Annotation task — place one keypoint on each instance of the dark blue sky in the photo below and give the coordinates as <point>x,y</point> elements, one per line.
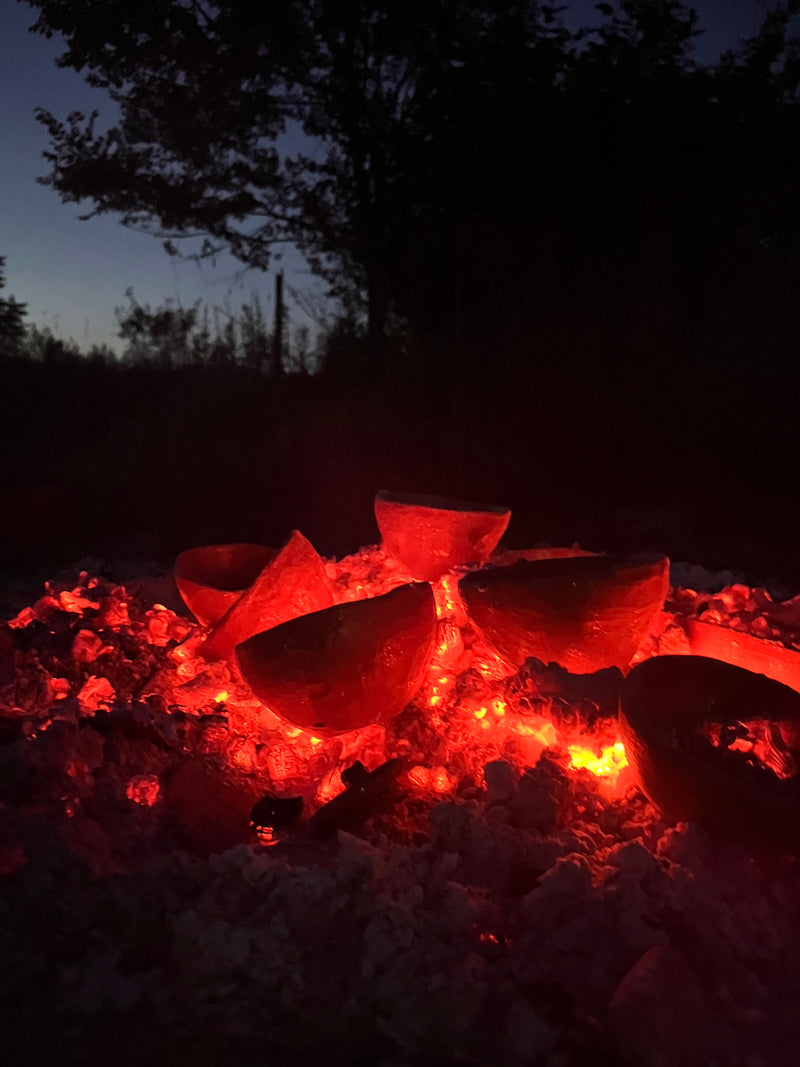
<point>73,274</point>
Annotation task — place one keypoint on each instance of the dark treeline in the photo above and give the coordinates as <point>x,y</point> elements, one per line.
<point>567,263</point>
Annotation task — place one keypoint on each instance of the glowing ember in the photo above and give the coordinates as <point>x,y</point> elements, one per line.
<point>472,706</point>
<point>59,688</point>
<point>488,819</point>
<point>544,732</point>
<point>143,789</point>
<point>758,743</point>
<point>329,787</point>
<point>610,761</point>
<point>431,779</point>
<point>96,693</point>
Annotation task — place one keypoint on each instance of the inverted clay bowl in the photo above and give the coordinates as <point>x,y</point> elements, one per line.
<point>211,579</point>
<point>583,612</point>
<point>347,666</point>
<point>432,534</point>
<point>663,703</point>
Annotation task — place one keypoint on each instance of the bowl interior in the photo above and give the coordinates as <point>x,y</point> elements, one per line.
<point>666,692</point>
<point>229,568</point>
<point>692,728</point>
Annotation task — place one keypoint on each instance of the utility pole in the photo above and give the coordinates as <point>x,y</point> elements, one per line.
<point>277,339</point>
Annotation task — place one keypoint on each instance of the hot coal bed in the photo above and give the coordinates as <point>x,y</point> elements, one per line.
<point>393,809</point>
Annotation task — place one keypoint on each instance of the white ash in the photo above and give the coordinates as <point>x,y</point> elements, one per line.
<point>525,919</point>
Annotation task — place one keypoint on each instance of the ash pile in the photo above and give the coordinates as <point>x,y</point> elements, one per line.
<point>186,876</point>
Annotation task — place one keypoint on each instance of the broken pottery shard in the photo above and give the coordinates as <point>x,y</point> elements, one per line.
<point>293,584</point>
<point>345,667</point>
<point>431,534</point>
<point>745,650</point>
<point>584,613</point>
<point>212,578</point>
<point>665,703</point>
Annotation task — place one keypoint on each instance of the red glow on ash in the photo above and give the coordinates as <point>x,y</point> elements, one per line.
<point>143,789</point>
<point>472,707</point>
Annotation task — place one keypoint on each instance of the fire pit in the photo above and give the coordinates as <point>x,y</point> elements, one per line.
<point>337,823</point>
<point>716,744</point>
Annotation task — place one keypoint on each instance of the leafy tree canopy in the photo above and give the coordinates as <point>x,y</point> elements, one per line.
<point>436,136</point>
<point>207,93</point>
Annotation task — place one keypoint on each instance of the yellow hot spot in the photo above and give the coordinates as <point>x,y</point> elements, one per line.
<point>293,731</point>
<point>545,732</point>
<point>446,596</point>
<point>433,699</point>
<point>449,586</point>
<point>221,695</point>
<point>440,780</point>
<point>316,740</point>
<point>611,760</point>
<point>480,712</point>
<point>499,708</point>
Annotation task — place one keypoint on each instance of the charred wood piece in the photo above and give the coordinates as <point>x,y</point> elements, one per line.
<point>366,794</point>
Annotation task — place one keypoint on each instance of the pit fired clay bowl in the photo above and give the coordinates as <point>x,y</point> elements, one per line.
<point>663,702</point>
<point>745,650</point>
<point>211,579</point>
<point>585,613</point>
<point>431,534</point>
<point>347,666</point>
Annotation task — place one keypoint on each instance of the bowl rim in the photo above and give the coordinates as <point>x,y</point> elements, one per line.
<point>188,563</point>
<point>434,502</point>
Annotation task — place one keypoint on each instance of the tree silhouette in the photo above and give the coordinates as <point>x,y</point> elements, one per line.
<point>205,91</point>
<point>444,164</point>
<point>12,314</point>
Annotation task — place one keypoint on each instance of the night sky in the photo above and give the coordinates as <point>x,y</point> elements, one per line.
<point>72,274</point>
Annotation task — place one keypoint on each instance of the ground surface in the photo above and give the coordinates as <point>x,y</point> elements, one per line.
<point>519,917</point>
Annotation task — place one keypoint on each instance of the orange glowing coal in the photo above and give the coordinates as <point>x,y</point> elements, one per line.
<point>606,764</point>
<point>312,659</point>
<point>420,671</point>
